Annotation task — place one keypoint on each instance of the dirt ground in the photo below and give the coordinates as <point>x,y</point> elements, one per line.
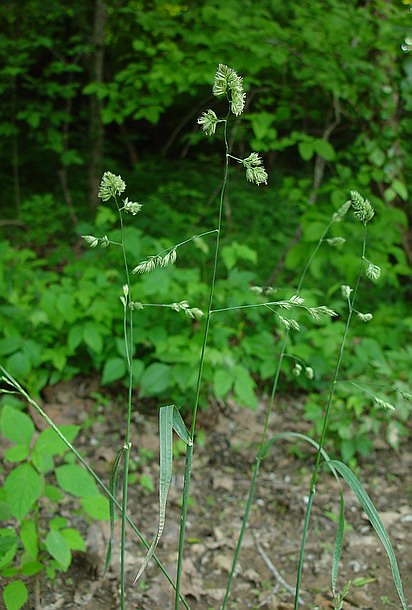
<point>220,482</point>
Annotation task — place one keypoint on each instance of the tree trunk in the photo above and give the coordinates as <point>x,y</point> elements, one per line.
<point>96,127</point>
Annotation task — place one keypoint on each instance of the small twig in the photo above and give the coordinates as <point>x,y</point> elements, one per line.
<point>273,569</point>
<point>37,601</point>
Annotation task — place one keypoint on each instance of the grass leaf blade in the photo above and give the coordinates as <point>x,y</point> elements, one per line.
<point>180,428</point>
<point>375,521</point>
<point>113,487</point>
<point>337,551</point>
<point>166,456</point>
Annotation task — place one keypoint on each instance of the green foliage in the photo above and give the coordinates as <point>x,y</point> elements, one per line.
<point>34,541</point>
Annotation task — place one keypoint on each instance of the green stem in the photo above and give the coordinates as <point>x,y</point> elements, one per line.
<point>9,379</point>
<point>128,341</point>
<point>189,450</point>
<point>325,427</point>
<point>265,428</point>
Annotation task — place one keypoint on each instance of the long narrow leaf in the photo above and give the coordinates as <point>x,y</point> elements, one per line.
<point>113,487</point>
<point>337,551</point>
<point>374,519</point>
<point>166,456</point>
<point>180,428</point>
<point>263,452</point>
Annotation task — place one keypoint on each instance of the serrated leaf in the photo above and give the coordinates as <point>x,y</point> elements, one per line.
<point>305,150</point>
<point>16,426</point>
<point>8,546</point>
<point>28,534</point>
<point>114,369</point>
<point>74,539</point>
<point>155,379</point>
<point>53,493</point>
<point>222,382</point>
<point>19,365</point>
<point>92,337</point>
<point>76,481</point>
<point>15,595</point>
<point>166,457</point>
<point>97,507</point>
<point>48,443</point>
<point>376,522</point>
<point>23,487</point>
<point>58,548</point>
<point>16,454</point>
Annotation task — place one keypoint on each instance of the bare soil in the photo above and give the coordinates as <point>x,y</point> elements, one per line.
<point>220,483</point>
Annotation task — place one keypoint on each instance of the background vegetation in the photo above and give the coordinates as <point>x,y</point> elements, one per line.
<point>91,86</point>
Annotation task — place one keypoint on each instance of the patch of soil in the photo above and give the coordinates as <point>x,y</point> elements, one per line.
<point>221,477</point>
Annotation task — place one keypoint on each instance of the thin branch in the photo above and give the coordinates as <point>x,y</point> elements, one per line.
<point>274,571</point>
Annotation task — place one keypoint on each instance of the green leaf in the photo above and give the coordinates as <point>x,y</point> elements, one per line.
<point>324,149</point>
<point>76,481</point>
<point>75,337</point>
<point>92,337</point>
<point>400,189</point>
<point>373,516</point>
<point>306,150</point>
<point>19,365</point>
<point>23,487</point>
<point>18,453</point>
<point>16,426</point>
<point>8,546</point>
<point>97,507</point>
<point>245,387</point>
<point>155,379</point>
<point>15,595</point>
<point>53,493</point>
<point>28,534</point>
<point>222,382</point>
<point>58,548</point>
<point>114,369</point>
<point>166,457</point>
<point>74,539</point>
<point>49,443</point>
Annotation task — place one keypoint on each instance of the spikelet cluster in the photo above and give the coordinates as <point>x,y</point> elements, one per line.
<point>363,209</point>
<point>153,262</point>
<point>110,186</point>
<point>339,214</point>
<point>228,82</point>
<point>255,172</point>
<point>131,207</point>
<point>191,312</point>
<point>208,121</point>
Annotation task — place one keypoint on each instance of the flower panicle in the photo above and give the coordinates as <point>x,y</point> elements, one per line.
<point>228,82</point>
<point>208,122</point>
<point>110,186</point>
<point>383,404</point>
<point>365,317</point>
<point>93,241</point>
<point>363,209</point>
<point>131,207</point>
<point>255,172</point>
<point>317,313</point>
<point>155,261</point>
<point>341,212</point>
<point>335,241</point>
<point>373,272</point>
<point>191,312</point>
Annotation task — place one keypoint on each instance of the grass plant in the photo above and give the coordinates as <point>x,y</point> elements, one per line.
<point>286,313</point>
